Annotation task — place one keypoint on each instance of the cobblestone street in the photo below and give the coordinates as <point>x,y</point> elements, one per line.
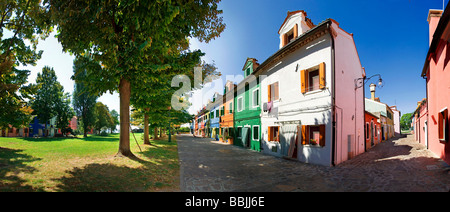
<point>395,165</point>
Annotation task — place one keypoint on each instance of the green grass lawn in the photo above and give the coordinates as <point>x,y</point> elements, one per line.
<point>86,164</point>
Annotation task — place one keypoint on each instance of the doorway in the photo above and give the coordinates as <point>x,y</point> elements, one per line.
<point>372,130</point>
<point>426,133</point>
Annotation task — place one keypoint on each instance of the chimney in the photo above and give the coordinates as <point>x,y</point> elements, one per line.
<point>372,91</point>
<point>433,20</point>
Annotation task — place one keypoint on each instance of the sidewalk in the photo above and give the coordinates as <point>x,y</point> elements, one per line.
<point>396,165</point>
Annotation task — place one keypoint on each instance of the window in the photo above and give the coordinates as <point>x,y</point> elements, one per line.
<point>367,131</point>
<point>217,112</point>
<point>443,125</point>
<point>255,99</point>
<point>273,92</point>
<point>313,135</point>
<point>240,104</point>
<point>313,78</point>
<point>255,133</point>
<point>231,108</point>
<point>274,134</point>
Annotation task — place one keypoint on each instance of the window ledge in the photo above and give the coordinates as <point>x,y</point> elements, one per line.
<point>313,92</point>
<point>313,146</point>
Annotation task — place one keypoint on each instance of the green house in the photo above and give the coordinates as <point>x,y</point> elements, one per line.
<point>247,109</point>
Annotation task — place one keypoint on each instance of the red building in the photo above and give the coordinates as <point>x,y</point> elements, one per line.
<point>372,126</point>
<point>436,71</point>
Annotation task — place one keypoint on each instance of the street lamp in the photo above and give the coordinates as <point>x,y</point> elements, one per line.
<point>360,82</point>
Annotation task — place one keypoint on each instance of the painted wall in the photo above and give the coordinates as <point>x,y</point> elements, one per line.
<point>372,125</point>
<point>421,125</point>
<point>311,108</point>
<point>438,83</point>
<point>249,115</point>
<point>349,101</point>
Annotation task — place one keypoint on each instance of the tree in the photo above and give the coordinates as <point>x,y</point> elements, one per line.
<point>83,100</point>
<point>405,121</point>
<point>102,117</point>
<point>115,119</point>
<point>122,35</point>
<point>64,113</point>
<point>24,20</point>
<point>49,95</point>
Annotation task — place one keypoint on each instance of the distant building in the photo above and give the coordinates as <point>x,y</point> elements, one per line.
<point>374,106</point>
<point>396,119</point>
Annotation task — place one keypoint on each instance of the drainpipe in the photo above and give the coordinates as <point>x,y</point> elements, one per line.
<point>333,97</point>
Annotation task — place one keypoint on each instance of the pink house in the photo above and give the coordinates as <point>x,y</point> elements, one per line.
<point>420,122</point>
<point>436,71</point>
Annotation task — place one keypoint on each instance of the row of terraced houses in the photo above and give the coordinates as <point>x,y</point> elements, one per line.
<point>306,101</point>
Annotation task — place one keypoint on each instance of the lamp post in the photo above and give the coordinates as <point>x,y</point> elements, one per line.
<point>360,82</point>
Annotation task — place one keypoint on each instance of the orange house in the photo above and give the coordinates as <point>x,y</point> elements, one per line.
<point>226,113</point>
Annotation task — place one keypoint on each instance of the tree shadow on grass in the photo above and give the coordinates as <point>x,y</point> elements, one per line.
<point>12,163</point>
<point>91,138</point>
<point>158,170</point>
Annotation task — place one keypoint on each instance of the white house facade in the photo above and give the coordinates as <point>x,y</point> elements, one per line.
<point>311,109</point>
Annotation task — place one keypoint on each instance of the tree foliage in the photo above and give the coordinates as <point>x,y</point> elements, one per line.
<point>405,121</point>
<point>49,98</point>
<point>102,117</point>
<point>83,100</point>
<point>20,21</point>
<point>132,42</point>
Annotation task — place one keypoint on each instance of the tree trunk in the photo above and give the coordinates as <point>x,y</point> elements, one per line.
<point>146,130</point>
<point>124,143</point>
<point>155,133</point>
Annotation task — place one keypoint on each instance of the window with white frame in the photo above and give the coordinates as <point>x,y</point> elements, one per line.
<point>255,132</point>
<point>255,98</point>
<point>240,104</point>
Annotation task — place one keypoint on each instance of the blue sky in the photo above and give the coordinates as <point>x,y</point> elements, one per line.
<point>391,37</point>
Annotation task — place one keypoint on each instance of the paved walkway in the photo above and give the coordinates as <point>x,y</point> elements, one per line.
<point>398,165</point>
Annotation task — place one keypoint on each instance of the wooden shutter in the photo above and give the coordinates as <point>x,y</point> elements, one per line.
<point>322,82</point>
<point>305,135</point>
<point>269,132</point>
<point>295,31</point>
<point>303,80</point>
<point>278,134</point>
<point>269,95</point>
<point>284,39</point>
<point>322,135</point>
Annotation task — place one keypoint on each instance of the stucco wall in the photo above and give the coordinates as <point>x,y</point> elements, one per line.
<point>312,108</point>
<point>349,101</point>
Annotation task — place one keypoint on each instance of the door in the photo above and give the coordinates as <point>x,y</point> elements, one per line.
<point>245,137</point>
<point>372,131</point>
<point>426,133</point>
<point>288,140</point>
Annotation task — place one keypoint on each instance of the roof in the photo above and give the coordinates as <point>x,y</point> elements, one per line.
<point>289,14</point>
<point>442,25</point>
<point>321,26</point>
<point>254,61</point>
